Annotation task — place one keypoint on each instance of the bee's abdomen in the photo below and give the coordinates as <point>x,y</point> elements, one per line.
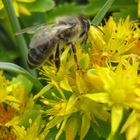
<point>37,55</point>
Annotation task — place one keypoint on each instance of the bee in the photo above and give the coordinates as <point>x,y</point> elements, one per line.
<point>49,40</point>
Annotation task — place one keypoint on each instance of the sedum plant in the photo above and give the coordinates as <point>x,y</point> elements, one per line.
<point>104,87</point>
<point>96,98</point>
<point>99,99</point>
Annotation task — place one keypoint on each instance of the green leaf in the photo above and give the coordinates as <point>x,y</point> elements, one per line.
<point>116,137</point>
<point>21,44</point>
<point>37,18</point>
<point>26,82</point>
<point>92,134</point>
<point>19,70</point>
<point>122,8</point>
<point>123,13</point>
<point>123,4</point>
<point>52,133</point>
<point>100,15</point>
<point>63,10</point>
<point>102,128</point>
<point>40,6</point>
<point>84,61</point>
<point>89,9</point>
<point>29,118</point>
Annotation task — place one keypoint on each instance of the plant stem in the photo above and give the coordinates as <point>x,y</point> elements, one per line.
<point>21,44</point>
<point>100,15</point>
<point>138,8</point>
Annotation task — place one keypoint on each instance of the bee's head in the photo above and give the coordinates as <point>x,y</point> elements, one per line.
<point>85,25</point>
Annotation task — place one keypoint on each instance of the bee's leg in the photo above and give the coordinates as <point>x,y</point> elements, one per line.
<point>74,52</point>
<point>51,58</point>
<point>84,41</point>
<point>57,59</point>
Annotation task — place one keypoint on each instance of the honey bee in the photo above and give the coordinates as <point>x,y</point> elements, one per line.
<point>50,39</point>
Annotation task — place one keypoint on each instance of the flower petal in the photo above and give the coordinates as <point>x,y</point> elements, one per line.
<point>116,117</point>
<point>132,117</point>
<point>84,127</point>
<point>101,97</point>
<point>72,127</point>
<point>65,85</point>
<point>1,5</point>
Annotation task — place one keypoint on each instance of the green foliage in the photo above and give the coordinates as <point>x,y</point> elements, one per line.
<point>29,118</point>
<point>45,11</point>
<point>102,128</point>
<point>102,12</point>
<point>40,6</point>
<point>71,103</point>
<point>19,70</point>
<point>25,81</point>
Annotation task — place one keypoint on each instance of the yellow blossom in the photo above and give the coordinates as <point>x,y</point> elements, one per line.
<point>103,83</point>
<point>64,109</point>
<point>14,104</point>
<point>116,40</point>
<point>132,125</point>
<point>1,5</point>
<point>19,6</point>
<point>119,90</point>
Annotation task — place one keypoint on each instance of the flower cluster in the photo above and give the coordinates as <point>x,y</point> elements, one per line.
<point>106,84</point>
<point>19,119</point>
<point>99,94</point>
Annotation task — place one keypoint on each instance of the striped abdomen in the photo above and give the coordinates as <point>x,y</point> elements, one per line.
<point>37,55</point>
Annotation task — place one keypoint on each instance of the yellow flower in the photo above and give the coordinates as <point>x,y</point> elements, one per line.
<point>19,6</point>
<point>1,5</point>
<point>5,90</point>
<point>67,87</point>
<point>120,90</point>
<point>132,125</point>
<point>103,84</point>
<point>116,40</point>
<point>14,104</point>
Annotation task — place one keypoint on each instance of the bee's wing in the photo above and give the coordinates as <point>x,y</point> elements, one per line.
<point>62,27</point>
<point>47,34</point>
<point>32,29</point>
